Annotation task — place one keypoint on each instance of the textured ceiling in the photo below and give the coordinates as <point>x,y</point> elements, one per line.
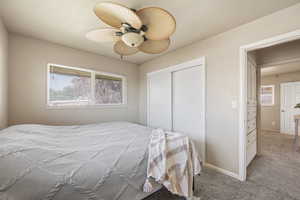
<point>67,21</point>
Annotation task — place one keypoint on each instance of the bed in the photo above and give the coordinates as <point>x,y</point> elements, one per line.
<point>104,161</point>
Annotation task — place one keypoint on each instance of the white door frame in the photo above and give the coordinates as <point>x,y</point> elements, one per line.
<point>243,91</point>
<point>193,63</point>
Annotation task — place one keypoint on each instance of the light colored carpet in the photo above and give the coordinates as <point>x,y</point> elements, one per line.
<point>275,175</point>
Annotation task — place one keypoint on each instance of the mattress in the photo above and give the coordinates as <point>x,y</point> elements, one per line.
<point>91,162</point>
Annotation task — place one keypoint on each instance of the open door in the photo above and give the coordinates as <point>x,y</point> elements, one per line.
<point>251,147</point>
<point>290,96</point>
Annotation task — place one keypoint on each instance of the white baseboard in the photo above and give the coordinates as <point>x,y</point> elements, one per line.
<point>223,171</point>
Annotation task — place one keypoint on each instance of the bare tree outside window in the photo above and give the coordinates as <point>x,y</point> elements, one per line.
<point>72,86</point>
<point>108,90</point>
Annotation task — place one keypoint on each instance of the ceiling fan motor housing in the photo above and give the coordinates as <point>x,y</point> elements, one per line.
<point>132,39</point>
<point>131,36</point>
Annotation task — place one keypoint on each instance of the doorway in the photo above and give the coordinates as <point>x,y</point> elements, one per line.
<point>245,136</point>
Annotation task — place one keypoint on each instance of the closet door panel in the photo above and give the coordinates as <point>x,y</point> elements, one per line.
<point>160,100</point>
<point>188,97</point>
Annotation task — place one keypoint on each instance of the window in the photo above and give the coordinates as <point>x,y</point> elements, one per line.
<point>267,95</point>
<point>108,89</point>
<point>70,86</point>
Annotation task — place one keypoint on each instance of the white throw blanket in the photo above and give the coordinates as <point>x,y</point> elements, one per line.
<point>173,162</point>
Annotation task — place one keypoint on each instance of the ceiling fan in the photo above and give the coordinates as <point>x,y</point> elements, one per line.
<point>146,30</point>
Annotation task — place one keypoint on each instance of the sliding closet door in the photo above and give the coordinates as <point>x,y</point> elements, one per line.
<point>159,100</point>
<point>188,104</point>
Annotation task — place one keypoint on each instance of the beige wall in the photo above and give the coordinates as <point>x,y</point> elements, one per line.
<point>279,53</point>
<point>3,75</point>
<point>222,56</point>
<point>271,114</point>
<point>28,59</point>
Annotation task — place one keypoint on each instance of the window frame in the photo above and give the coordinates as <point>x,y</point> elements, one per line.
<point>273,95</point>
<point>91,101</point>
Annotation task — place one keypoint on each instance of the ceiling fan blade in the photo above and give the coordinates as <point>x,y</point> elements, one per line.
<point>154,46</point>
<point>103,35</point>
<point>115,14</point>
<point>122,49</point>
<point>161,24</point>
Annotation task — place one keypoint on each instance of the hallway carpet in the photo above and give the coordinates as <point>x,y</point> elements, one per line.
<point>275,175</point>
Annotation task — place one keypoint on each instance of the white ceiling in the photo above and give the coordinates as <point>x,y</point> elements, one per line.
<point>67,21</point>
<point>281,69</point>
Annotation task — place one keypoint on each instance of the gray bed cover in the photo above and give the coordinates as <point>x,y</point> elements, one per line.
<point>90,162</point>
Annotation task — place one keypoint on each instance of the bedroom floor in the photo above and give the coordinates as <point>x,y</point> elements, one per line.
<point>275,175</point>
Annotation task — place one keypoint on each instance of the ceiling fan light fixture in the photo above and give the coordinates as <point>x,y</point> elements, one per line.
<point>132,39</point>
<point>147,30</point>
